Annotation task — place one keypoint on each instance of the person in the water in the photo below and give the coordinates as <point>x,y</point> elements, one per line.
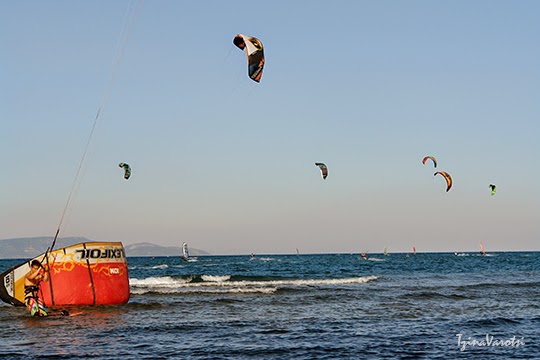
<point>33,278</point>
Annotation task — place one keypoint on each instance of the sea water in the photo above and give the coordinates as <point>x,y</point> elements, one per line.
<point>334,306</point>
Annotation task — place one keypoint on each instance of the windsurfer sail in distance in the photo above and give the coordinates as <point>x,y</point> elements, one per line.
<point>33,278</point>
<point>482,250</point>
<point>185,252</point>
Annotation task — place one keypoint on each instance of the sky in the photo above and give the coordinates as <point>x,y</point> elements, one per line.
<point>227,165</point>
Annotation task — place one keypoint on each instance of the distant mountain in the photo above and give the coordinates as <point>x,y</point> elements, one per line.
<point>148,249</point>
<point>26,248</point>
<point>23,248</point>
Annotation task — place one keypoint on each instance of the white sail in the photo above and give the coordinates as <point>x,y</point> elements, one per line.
<point>185,252</point>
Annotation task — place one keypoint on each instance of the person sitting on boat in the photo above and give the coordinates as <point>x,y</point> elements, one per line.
<point>33,278</point>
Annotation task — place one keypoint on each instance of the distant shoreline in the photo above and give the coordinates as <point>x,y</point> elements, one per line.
<point>30,247</point>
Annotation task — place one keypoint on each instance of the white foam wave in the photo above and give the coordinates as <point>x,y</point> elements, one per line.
<point>161,281</point>
<point>215,278</point>
<point>218,284</point>
<point>186,290</point>
<point>162,266</point>
<point>313,282</point>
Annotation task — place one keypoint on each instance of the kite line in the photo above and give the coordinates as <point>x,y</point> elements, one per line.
<point>126,29</point>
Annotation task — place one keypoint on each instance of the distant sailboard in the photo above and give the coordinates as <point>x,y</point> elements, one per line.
<point>185,252</point>
<point>90,273</point>
<point>482,250</point>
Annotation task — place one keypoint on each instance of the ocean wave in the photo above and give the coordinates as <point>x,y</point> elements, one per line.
<point>266,259</point>
<point>213,283</point>
<point>431,295</point>
<point>191,290</point>
<point>162,266</point>
<point>496,321</point>
<point>215,278</point>
<point>159,281</point>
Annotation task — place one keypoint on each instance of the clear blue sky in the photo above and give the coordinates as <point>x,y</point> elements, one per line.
<point>227,165</point>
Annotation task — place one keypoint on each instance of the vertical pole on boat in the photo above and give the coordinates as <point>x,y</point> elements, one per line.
<point>49,249</point>
<point>46,259</point>
<point>54,241</point>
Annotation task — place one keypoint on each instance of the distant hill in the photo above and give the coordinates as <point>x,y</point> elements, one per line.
<point>149,249</point>
<point>25,248</point>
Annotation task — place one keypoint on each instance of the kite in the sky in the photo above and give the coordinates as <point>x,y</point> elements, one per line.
<point>493,189</point>
<point>447,178</point>
<point>324,169</point>
<point>254,52</point>
<point>432,159</point>
<point>127,170</point>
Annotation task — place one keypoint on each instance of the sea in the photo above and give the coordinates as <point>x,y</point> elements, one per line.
<point>322,306</point>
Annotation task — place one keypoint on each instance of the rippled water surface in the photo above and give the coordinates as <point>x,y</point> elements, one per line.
<point>436,306</point>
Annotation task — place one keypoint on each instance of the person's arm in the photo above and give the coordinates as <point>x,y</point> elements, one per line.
<point>32,275</point>
<point>45,273</point>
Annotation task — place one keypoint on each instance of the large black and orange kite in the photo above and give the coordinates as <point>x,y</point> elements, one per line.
<point>254,52</point>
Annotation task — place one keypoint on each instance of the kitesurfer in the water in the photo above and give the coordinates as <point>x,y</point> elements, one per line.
<point>33,278</point>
